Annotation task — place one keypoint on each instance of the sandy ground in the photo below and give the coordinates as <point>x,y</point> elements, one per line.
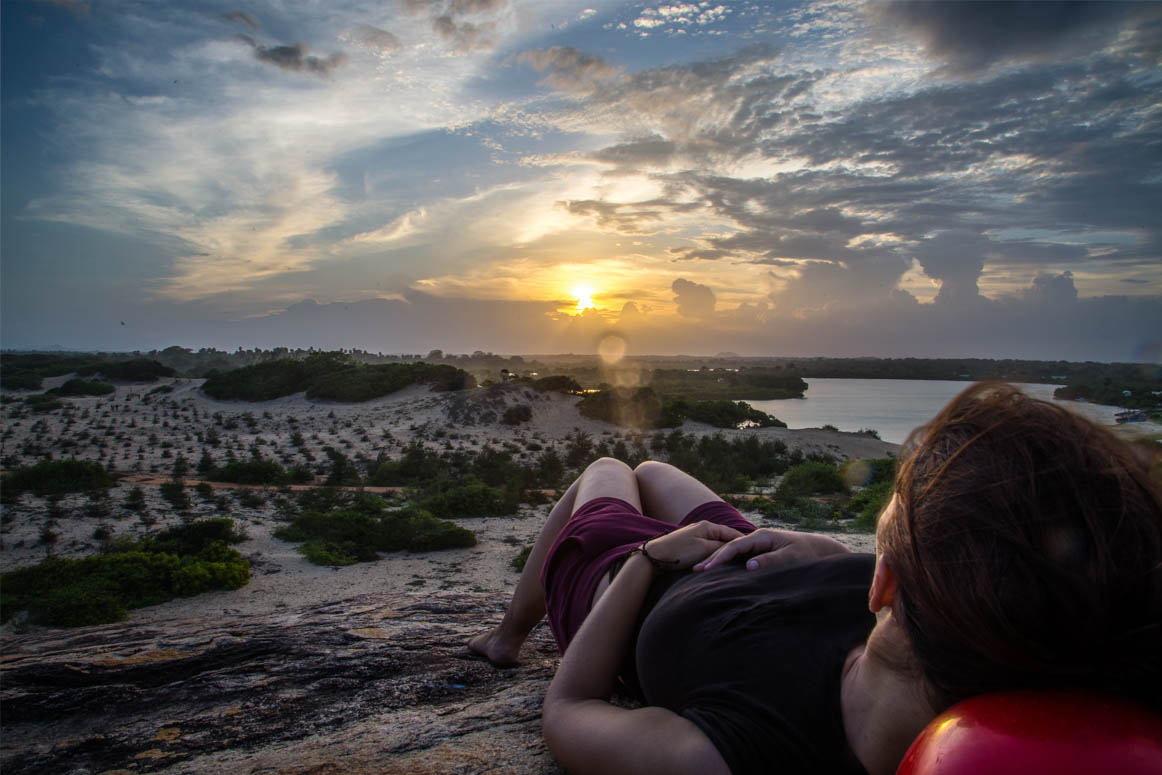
<point>138,434</point>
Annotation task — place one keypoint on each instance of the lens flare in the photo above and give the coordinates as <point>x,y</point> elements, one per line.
<point>611,348</point>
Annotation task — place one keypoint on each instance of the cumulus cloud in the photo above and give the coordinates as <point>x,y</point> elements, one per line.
<point>971,36</point>
<point>694,300</point>
<point>294,57</point>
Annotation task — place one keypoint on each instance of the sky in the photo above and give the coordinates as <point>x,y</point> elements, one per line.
<point>828,177</point>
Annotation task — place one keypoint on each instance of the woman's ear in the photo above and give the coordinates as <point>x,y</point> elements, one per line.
<point>883,586</point>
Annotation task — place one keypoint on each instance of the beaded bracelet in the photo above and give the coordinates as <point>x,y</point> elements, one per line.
<point>659,564</point>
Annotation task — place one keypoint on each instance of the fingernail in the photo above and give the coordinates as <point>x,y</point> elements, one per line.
<point>752,564</point>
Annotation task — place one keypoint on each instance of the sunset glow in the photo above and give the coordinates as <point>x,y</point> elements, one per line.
<point>818,177</point>
<point>584,296</point>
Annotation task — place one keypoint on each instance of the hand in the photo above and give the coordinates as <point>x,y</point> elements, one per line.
<point>769,547</point>
<point>688,545</point>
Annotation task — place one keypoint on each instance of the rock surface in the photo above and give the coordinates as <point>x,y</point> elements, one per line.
<point>365,684</point>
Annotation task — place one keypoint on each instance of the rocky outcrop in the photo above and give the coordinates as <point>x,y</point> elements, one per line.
<point>355,686</point>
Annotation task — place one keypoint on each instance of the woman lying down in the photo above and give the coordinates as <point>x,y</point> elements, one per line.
<point>1022,549</point>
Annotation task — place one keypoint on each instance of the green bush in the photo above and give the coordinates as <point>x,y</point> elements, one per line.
<point>99,588</point>
<point>136,370</point>
<point>554,384</point>
<point>43,402</point>
<point>20,379</point>
<point>810,478</point>
<point>83,387</point>
<point>869,502</point>
<point>472,498</point>
<point>258,471</point>
<point>515,415</point>
<point>56,477</point>
<point>329,376</point>
<point>720,414</point>
<point>632,407</point>
<point>862,473</point>
<point>359,532</point>
<point>518,562</point>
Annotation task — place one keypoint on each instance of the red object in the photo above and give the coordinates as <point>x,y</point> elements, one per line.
<point>1031,732</point>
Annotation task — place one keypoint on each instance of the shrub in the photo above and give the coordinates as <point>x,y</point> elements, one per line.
<point>809,478</point>
<point>359,532</point>
<point>515,415</point>
<point>554,384</point>
<point>472,498</point>
<point>720,414</point>
<point>99,588</point>
<point>257,471</point>
<point>518,562</point>
<point>20,379</point>
<point>43,402</point>
<point>55,477</point>
<point>175,494</point>
<point>136,370</point>
<point>633,407</point>
<point>869,502</point>
<point>862,473</point>
<point>83,387</point>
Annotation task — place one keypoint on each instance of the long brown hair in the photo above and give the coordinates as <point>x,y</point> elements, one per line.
<point>1027,545</point>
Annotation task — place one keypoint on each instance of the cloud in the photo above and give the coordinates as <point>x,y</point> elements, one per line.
<point>293,57</point>
<point>693,299</point>
<point>464,37</point>
<point>569,69</point>
<point>241,17</point>
<point>971,36</point>
<point>375,39</point>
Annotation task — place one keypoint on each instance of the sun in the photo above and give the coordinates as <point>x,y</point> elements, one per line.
<point>584,296</point>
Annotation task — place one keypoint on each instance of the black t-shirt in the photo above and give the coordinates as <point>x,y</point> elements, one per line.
<point>754,658</point>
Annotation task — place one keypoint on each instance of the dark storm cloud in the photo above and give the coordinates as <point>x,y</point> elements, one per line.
<point>241,17</point>
<point>694,300</point>
<point>970,35</point>
<point>644,151</point>
<point>293,57</point>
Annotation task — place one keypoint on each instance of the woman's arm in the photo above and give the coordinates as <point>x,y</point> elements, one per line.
<point>582,729</point>
<point>767,547</point>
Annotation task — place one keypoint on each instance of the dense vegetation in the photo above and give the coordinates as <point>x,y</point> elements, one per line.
<point>56,477</point>
<point>357,531</point>
<point>26,371</point>
<point>330,376</point>
<point>183,561</point>
<point>83,387</point>
<point>1144,394</point>
<point>644,408</point>
<point>757,384</point>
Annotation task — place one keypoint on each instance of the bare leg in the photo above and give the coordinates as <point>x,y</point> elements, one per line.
<point>668,493</point>
<point>502,644</point>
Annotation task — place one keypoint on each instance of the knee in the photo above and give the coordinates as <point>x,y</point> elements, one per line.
<point>652,469</point>
<point>608,464</point>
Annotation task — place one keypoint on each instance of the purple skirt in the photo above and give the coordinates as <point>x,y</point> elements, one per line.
<point>601,531</point>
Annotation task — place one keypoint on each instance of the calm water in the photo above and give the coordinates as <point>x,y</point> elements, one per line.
<point>892,406</point>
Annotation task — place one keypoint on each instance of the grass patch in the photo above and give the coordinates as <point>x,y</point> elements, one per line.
<point>101,588</point>
<point>518,562</point>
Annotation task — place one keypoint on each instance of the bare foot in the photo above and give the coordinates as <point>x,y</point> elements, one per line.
<point>495,648</point>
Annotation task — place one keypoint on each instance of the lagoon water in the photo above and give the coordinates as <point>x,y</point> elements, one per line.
<point>891,406</point>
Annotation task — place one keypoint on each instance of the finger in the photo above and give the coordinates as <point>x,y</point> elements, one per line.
<point>752,543</point>
<point>781,556</point>
<point>726,553</point>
